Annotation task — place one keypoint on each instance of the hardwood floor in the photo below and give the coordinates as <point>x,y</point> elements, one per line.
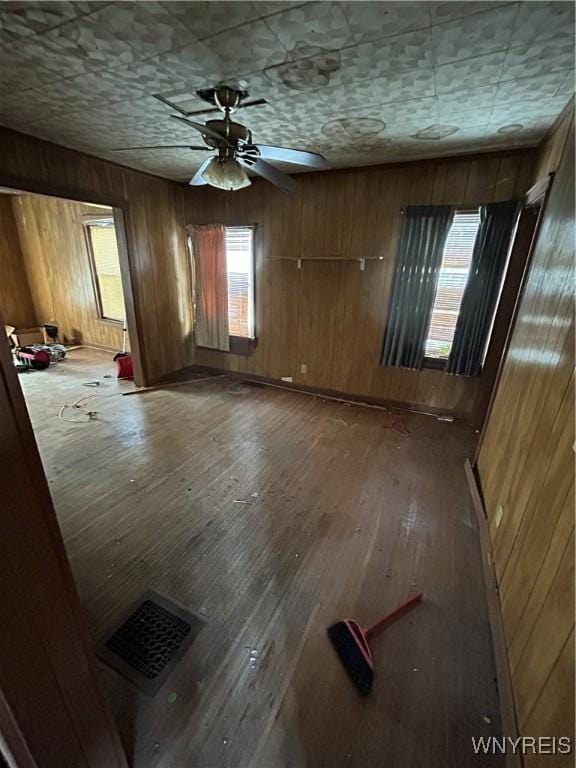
<point>270,515</point>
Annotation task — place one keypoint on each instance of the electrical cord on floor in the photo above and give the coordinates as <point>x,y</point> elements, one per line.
<point>78,406</point>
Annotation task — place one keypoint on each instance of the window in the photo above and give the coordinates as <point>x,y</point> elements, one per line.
<point>240,273</point>
<point>454,269</point>
<point>106,269</point>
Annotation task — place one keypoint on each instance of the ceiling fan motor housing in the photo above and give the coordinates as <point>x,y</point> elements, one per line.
<point>233,132</point>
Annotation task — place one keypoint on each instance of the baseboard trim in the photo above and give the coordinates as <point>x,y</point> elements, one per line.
<point>329,394</point>
<point>101,347</point>
<point>505,691</point>
<point>182,374</point>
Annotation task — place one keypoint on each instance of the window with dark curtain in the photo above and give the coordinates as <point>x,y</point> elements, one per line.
<point>452,279</point>
<point>448,277</point>
<point>422,238</point>
<point>480,300</point>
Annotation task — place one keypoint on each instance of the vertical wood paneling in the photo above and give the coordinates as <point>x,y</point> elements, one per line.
<point>154,233</point>
<point>57,263</point>
<point>554,711</point>
<point>482,180</point>
<point>508,174</point>
<point>16,304</point>
<point>550,632</point>
<point>47,665</point>
<point>330,316</point>
<point>526,467</point>
<point>551,153</point>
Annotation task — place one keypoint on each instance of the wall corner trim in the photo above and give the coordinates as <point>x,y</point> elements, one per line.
<point>505,691</point>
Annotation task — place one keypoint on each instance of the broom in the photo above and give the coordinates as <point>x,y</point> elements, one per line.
<point>122,359</point>
<point>350,642</point>
<point>119,355</point>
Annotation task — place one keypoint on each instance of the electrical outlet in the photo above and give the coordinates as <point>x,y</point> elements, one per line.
<point>499,515</point>
<point>286,378</point>
<point>303,368</point>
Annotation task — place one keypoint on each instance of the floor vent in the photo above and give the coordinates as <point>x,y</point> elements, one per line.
<point>150,641</point>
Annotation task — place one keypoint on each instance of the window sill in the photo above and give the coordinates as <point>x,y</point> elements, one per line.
<point>239,345</point>
<point>435,363</point>
<point>242,345</point>
<point>106,321</point>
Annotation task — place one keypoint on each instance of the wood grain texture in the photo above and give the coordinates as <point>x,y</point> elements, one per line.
<point>330,315</point>
<point>526,464</point>
<point>47,671</point>
<point>53,243</point>
<point>350,517</point>
<point>16,303</point>
<point>162,309</point>
<point>550,154</point>
<point>504,678</point>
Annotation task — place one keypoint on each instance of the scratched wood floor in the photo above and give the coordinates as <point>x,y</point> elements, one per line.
<point>271,514</point>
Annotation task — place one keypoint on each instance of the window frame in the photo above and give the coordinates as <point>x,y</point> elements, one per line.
<point>245,345</point>
<point>440,363</point>
<point>89,221</point>
<point>239,345</point>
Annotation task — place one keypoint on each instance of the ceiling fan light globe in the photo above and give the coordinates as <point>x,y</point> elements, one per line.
<point>226,174</point>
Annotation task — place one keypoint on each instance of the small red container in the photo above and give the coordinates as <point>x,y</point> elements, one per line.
<point>124,367</point>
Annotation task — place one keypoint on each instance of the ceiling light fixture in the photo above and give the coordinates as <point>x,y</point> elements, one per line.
<point>226,173</point>
<point>235,151</point>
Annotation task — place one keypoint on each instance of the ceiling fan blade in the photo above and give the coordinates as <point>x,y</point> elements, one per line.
<point>202,129</point>
<point>197,180</point>
<point>163,146</point>
<point>286,155</point>
<point>268,172</point>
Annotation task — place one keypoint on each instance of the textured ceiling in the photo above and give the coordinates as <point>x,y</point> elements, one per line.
<point>361,82</point>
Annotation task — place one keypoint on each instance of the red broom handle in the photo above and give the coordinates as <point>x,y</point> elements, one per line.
<point>410,603</point>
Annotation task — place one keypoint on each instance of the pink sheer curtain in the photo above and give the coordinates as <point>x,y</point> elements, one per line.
<point>211,328</point>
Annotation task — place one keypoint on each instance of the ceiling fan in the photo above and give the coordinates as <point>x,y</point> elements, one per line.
<point>235,151</point>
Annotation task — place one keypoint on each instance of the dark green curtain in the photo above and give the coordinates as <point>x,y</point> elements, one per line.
<point>422,238</point>
<point>497,222</point>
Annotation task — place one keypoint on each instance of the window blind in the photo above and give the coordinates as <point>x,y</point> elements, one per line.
<point>240,270</point>
<point>107,270</point>
<point>454,269</point>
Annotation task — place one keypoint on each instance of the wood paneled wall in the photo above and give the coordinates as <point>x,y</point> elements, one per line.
<point>52,711</point>
<point>526,470</point>
<point>155,238</point>
<point>16,306</point>
<point>330,316</point>
<point>56,258</point>
<point>550,154</point>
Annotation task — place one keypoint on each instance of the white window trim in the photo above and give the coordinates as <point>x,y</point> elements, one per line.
<point>251,280</point>
<point>437,361</point>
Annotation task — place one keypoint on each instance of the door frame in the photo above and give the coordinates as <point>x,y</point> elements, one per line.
<point>50,700</point>
<point>538,194</point>
<point>121,215</point>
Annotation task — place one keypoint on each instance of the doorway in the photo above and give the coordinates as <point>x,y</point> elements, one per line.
<point>65,284</point>
<point>521,249</point>
<point>66,339</point>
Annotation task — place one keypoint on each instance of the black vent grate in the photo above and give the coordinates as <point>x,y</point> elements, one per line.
<point>149,638</point>
<point>147,645</point>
